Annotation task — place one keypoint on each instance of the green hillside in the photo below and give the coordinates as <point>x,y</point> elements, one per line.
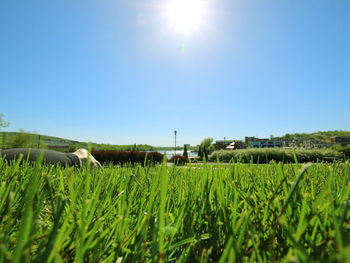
<point>24,139</point>
<point>11,135</point>
<point>323,136</point>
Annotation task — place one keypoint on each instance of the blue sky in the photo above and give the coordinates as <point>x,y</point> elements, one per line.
<point>115,72</point>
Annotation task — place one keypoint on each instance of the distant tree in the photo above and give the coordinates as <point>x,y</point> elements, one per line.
<point>23,139</point>
<point>185,153</point>
<point>73,147</point>
<point>345,150</point>
<point>200,153</point>
<point>205,148</point>
<point>3,123</point>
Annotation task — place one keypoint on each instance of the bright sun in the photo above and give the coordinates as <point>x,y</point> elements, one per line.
<point>185,16</point>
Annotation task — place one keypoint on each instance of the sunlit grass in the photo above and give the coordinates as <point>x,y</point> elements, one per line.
<point>243,213</point>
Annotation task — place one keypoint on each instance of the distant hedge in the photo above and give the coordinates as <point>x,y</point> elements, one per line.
<point>179,159</point>
<point>127,157</point>
<point>279,155</point>
<point>345,150</point>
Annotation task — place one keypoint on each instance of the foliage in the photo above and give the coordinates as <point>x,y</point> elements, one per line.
<point>75,145</point>
<point>23,139</point>
<point>344,150</point>
<point>3,123</point>
<point>205,148</point>
<point>185,153</point>
<point>131,147</point>
<point>229,213</point>
<point>41,145</point>
<point>179,159</point>
<point>277,154</point>
<point>127,157</point>
<point>323,136</point>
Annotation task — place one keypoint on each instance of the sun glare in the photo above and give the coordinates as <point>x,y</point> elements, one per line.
<point>185,16</point>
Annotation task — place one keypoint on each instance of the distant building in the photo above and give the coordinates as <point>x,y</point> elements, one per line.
<point>298,142</point>
<point>223,144</point>
<point>56,145</point>
<point>276,142</point>
<point>235,145</point>
<point>342,140</point>
<point>253,142</point>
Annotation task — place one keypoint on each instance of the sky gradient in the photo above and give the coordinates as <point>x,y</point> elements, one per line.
<point>111,71</point>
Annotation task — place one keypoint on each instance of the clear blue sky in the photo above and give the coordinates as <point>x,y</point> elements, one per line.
<point>116,72</point>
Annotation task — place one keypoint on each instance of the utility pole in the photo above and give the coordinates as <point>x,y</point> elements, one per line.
<point>224,142</point>
<point>175,132</point>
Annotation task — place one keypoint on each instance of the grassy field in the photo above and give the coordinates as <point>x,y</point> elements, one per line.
<point>230,213</point>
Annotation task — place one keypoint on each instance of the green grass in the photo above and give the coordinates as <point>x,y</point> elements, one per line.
<point>229,213</point>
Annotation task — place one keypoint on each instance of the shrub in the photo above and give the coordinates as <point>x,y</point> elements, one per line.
<point>345,150</point>
<point>127,157</point>
<point>23,139</point>
<point>205,148</point>
<point>279,155</point>
<point>179,159</point>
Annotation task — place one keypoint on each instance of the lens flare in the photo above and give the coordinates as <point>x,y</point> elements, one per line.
<point>185,16</point>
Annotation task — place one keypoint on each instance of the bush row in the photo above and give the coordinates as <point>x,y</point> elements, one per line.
<point>345,150</point>
<point>278,155</point>
<point>179,159</point>
<point>127,157</point>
